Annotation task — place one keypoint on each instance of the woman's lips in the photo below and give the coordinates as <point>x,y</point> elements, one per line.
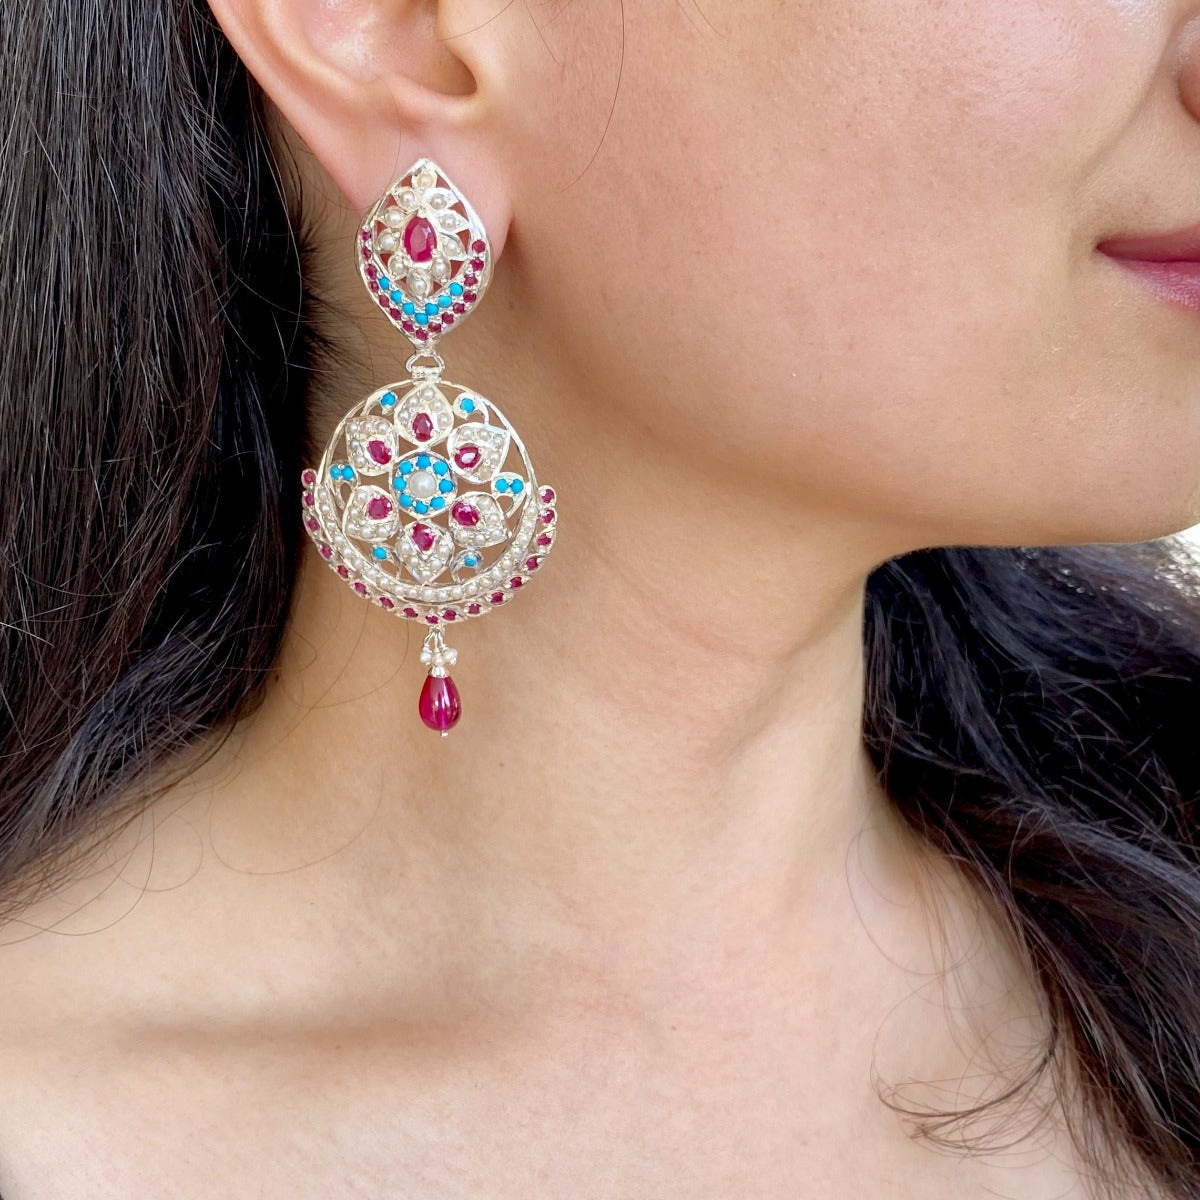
<point>1168,263</point>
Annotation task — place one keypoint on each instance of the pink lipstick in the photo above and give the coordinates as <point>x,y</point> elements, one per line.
<point>1167,263</point>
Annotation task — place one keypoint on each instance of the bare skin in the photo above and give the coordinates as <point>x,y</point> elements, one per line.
<point>644,924</point>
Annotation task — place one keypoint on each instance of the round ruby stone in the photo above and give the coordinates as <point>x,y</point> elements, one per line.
<point>547,516</point>
<point>423,537</point>
<point>383,301</point>
<point>422,427</point>
<point>379,452</point>
<point>308,500</point>
<point>467,456</point>
<point>477,263</point>
<point>420,335</point>
<point>365,235</point>
<point>473,609</point>
<point>378,507</point>
<point>532,563</point>
<point>469,297</point>
<point>516,581</point>
<point>447,318</point>
<point>420,240</point>
<point>478,246</point>
<point>459,307</point>
<point>470,278</point>
<point>313,524</point>
<point>309,477</point>
<point>450,615</point>
<point>366,252</point>
<point>440,705</point>
<point>465,514</point>
<point>407,326</point>
<point>395,313</point>
<point>543,539</point>
<point>497,597</point>
<point>372,270</point>
<point>547,495</point>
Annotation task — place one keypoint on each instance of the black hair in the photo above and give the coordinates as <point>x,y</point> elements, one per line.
<point>1033,712</point>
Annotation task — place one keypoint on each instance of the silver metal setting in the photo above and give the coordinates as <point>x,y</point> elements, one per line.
<point>425,500</point>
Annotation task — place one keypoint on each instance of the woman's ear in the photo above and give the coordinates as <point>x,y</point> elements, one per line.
<point>369,86</point>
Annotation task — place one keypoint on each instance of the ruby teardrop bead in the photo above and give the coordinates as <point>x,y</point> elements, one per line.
<point>422,427</point>
<point>440,705</point>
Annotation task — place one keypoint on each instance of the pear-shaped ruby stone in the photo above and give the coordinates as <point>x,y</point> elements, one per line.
<point>379,452</point>
<point>420,239</point>
<point>423,537</point>
<point>422,427</point>
<point>467,456</point>
<point>440,705</point>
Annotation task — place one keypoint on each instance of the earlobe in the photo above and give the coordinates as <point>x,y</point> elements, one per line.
<point>368,87</point>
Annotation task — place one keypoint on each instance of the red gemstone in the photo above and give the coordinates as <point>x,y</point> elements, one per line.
<point>422,427</point>
<point>477,263</point>
<point>435,327</point>
<point>447,318</point>
<point>473,608</point>
<point>532,563</point>
<point>378,507</point>
<point>407,326</point>
<point>420,240</point>
<point>343,571</point>
<point>516,581</point>
<point>423,537</point>
<point>459,307</point>
<point>383,300</point>
<point>470,278</point>
<point>544,539</point>
<point>365,235</point>
<point>386,602</point>
<point>366,252</point>
<point>469,297</point>
<point>360,588</point>
<point>467,456</point>
<point>372,270</point>
<point>309,477</point>
<point>450,615</point>
<point>379,452</point>
<point>411,612</point>
<point>547,495</point>
<point>547,516</point>
<point>395,314</point>
<point>440,705</point>
<point>308,500</point>
<point>465,514</point>
<point>420,335</point>
<point>478,245</point>
<point>431,619</point>
<point>326,550</point>
<point>373,285</point>
<point>497,597</point>
<point>313,524</point>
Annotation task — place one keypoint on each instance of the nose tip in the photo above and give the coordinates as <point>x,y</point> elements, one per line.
<point>1189,66</point>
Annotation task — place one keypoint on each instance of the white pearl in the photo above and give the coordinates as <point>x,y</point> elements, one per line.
<point>394,217</point>
<point>386,242</point>
<point>422,484</point>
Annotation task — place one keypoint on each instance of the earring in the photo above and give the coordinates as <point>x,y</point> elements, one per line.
<point>425,501</point>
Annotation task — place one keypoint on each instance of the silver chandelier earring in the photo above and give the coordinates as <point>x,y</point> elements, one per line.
<point>425,501</point>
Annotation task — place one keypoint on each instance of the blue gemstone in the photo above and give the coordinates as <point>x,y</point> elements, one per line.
<point>385,282</point>
<point>348,472</point>
<point>502,485</point>
<point>441,467</point>
<point>438,502</point>
<point>456,289</point>
<point>422,507</point>
<point>517,486</point>
<point>421,319</point>
<point>397,297</point>
<point>406,501</point>
<point>444,301</point>
<point>467,405</point>
<point>408,308</point>
<point>335,472</point>
<point>431,308</point>
<point>406,467</point>
<point>447,485</point>
<point>471,559</point>
<point>423,460</point>
<point>379,552</point>
<point>387,399</point>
